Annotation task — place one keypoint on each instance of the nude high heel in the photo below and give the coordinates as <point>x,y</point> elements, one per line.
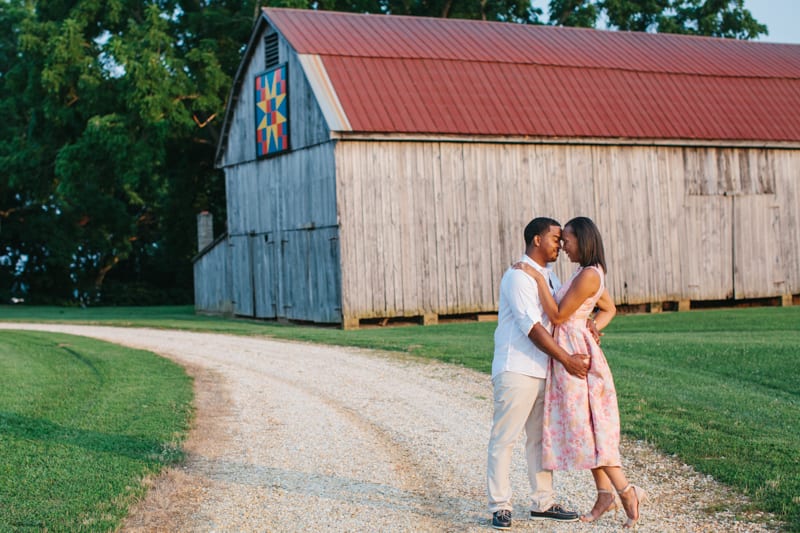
<point>596,513</point>
<point>641,497</point>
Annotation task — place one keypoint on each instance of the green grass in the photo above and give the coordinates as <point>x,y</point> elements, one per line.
<point>82,422</point>
<point>719,388</point>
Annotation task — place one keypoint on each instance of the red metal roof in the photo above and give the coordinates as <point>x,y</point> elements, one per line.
<point>396,74</point>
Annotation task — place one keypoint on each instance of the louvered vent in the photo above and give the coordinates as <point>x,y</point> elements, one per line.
<point>271,50</point>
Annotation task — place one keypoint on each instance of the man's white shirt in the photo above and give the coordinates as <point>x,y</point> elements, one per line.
<point>519,310</point>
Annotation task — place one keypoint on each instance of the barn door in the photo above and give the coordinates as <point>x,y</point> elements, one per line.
<point>758,268</point>
<point>733,222</point>
<point>758,263</point>
<point>310,287</point>
<point>265,275</point>
<point>253,278</point>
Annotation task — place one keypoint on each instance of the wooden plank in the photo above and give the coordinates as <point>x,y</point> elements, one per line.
<point>671,184</point>
<point>372,210</point>
<point>787,187</point>
<point>350,322</point>
<point>446,244</point>
<point>234,211</point>
<point>430,319</point>
<point>729,177</point>
<point>604,216</point>
<point>427,172</point>
<point>344,201</point>
<point>462,223</point>
<point>483,242</point>
<point>650,259</point>
<point>503,184</point>
<point>474,219</point>
<point>769,163</point>
<point>356,287</point>
<point>407,238</point>
<point>625,267</point>
<point>708,172</point>
<point>241,276</point>
<point>640,263</point>
<point>619,194</point>
<point>391,225</point>
<point>653,236</point>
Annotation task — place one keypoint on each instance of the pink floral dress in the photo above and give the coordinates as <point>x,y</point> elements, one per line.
<point>581,418</point>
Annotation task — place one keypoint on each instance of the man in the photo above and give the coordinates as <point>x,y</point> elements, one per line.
<point>523,345</point>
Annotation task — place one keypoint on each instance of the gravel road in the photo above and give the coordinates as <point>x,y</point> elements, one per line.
<point>293,436</point>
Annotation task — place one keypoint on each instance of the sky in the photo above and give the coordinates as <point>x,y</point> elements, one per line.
<point>781,17</point>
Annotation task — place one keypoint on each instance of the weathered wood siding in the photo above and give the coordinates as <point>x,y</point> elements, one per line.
<point>787,193</point>
<point>307,125</point>
<point>430,227</point>
<point>282,224</point>
<point>283,228</point>
<point>213,289</point>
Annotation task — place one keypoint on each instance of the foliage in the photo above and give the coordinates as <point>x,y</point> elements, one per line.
<point>715,18</point>
<point>113,117</point>
<point>82,422</point>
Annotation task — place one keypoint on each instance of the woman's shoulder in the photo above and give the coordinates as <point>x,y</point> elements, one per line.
<point>590,270</point>
<point>596,268</point>
<point>592,275</point>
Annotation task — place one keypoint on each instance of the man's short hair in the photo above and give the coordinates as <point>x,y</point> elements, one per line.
<point>538,226</point>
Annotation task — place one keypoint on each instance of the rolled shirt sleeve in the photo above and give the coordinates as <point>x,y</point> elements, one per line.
<point>523,299</point>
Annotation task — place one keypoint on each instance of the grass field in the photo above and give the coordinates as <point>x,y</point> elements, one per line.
<point>82,422</point>
<point>719,388</point>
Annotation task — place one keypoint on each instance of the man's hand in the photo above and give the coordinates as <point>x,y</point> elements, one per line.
<point>577,364</point>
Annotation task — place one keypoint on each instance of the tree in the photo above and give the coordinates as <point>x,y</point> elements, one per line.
<point>573,13</point>
<point>714,18</point>
<point>35,250</point>
<point>110,123</point>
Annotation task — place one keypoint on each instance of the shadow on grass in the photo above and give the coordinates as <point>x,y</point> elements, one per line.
<point>137,448</point>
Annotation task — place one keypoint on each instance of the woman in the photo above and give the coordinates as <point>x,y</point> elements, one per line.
<point>581,418</point>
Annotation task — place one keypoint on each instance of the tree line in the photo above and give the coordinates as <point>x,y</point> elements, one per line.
<point>110,114</point>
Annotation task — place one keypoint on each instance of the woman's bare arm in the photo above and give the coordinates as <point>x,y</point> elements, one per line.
<point>583,287</point>
<point>606,310</point>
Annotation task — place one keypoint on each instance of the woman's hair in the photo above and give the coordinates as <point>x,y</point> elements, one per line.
<point>590,243</point>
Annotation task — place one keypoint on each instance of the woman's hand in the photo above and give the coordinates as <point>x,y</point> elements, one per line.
<point>529,270</point>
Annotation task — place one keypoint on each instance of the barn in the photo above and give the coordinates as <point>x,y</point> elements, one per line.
<point>384,166</point>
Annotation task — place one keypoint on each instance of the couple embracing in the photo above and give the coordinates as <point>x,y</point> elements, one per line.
<point>555,383</point>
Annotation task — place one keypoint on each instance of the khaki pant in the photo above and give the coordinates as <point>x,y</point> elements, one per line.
<point>518,405</point>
